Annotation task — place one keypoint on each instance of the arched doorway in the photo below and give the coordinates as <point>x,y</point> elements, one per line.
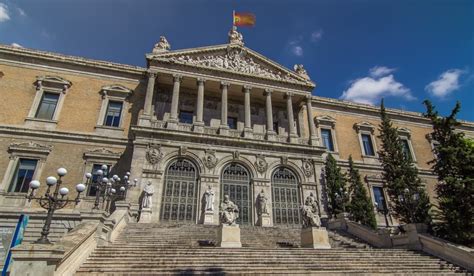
<point>285,197</point>
<point>236,184</point>
<point>179,200</point>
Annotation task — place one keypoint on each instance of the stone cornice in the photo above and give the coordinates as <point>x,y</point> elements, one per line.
<point>73,60</point>
<point>375,111</point>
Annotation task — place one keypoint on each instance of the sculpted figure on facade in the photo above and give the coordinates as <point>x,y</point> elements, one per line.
<point>262,207</point>
<point>310,212</point>
<point>228,211</point>
<point>299,69</point>
<point>235,37</point>
<point>209,199</point>
<point>148,192</point>
<point>161,46</point>
<point>210,159</point>
<point>154,153</point>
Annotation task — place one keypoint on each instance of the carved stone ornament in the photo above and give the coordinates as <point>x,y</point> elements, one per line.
<point>236,155</point>
<point>284,160</point>
<point>261,164</point>
<point>161,46</point>
<point>235,37</point>
<point>210,159</point>
<point>30,146</point>
<point>299,69</point>
<point>154,153</point>
<point>307,168</point>
<point>236,60</point>
<point>182,150</point>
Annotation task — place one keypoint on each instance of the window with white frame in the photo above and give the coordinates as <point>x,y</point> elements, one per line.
<point>112,111</point>
<point>26,162</point>
<point>326,127</point>
<point>365,132</point>
<point>49,98</point>
<point>405,139</point>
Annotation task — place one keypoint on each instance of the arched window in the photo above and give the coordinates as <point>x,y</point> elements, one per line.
<point>236,184</point>
<point>285,197</point>
<point>179,199</point>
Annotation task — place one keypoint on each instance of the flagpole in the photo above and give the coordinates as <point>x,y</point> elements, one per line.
<point>233,18</point>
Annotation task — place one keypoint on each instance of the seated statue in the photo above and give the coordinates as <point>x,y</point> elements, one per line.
<point>309,212</point>
<point>228,211</point>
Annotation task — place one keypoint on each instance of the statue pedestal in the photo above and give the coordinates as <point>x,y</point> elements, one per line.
<point>229,236</point>
<point>264,220</point>
<point>317,238</point>
<point>208,218</point>
<point>145,215</point>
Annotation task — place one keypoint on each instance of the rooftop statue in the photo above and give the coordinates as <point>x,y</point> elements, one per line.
<point>161,46</point>
<point>235,37</point>
<point>299,69</point>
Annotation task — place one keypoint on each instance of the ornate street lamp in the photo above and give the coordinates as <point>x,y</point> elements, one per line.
<point>99,184</point>
<point>53,201</point>
<point>410,202</point>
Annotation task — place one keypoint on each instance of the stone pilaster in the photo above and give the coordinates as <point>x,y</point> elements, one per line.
<point>292,136</point>
<point>313,137</point>
<point>270,135</point>
<point>173,120</point>
<point>199,123</point>
<point>150,90</point>
<point>224,127</point>
<point>247,120</point>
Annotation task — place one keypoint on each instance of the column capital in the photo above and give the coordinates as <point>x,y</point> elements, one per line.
<point>288,95</point>
<point>200,81</point>
<point>267,92</point>
<point>177,77</point>
<point>151,74</point>
<point>246,88</point>
<point>225,84</point>
<point>308,98</point>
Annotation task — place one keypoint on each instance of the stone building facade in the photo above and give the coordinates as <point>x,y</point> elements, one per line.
<point>223,117</point>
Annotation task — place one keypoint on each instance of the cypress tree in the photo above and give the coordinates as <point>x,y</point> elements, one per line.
<point>360,206</point>
<point>409,200</point>
<point>335,184</point>
<point>454,166</point>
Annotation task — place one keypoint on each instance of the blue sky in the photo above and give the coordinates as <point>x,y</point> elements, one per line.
<point>358,50</point>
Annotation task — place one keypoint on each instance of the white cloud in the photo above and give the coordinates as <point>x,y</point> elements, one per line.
<point>316,35</point>
<point>21,12</point>
<point>380,71</point>
<point>4,16</point>
<point>446,83</point>
<point>370,90</point>
<point>295,46</point>
<point>16,45</point>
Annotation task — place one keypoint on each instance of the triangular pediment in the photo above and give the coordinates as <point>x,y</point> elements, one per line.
<point>234,59</point>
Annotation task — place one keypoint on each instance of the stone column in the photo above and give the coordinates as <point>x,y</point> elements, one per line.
<point>150,90</point>
<point>173,120</point>
<point>247,122</point>
<point>269,113</point>
<point>313,137</point>
<point>292,136</point>
<point>199,123</point>
<point>224,127</point>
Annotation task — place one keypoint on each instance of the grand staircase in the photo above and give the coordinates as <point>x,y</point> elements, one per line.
<point>158,249</point>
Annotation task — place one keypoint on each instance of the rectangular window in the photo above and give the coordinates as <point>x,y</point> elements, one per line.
<point>47,106</point>
<point>379,198</point>
<point>232,122</point>
<point>406,148</point>
<point>23,175</point>
<point>114,111</point>
<point>93,190</point>
<point>326,135</point>
<point>185,117</point>
<point>368,146</point>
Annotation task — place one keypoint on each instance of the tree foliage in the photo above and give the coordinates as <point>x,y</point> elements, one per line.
<point>454,166</point>
<point>335,184</point>
<point>360,207</point>
<point>409,201</point>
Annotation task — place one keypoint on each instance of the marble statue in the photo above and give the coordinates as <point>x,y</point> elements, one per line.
<point>262,204</point>
<point>209,199</point>
<point>299,69</point>
<point>162,45</point>
<point>228,211</point>
<point>235,37</point>
<point>148,193</point>
<point>309,212</point>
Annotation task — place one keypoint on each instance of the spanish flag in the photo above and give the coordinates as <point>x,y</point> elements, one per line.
<point>244,19</point>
